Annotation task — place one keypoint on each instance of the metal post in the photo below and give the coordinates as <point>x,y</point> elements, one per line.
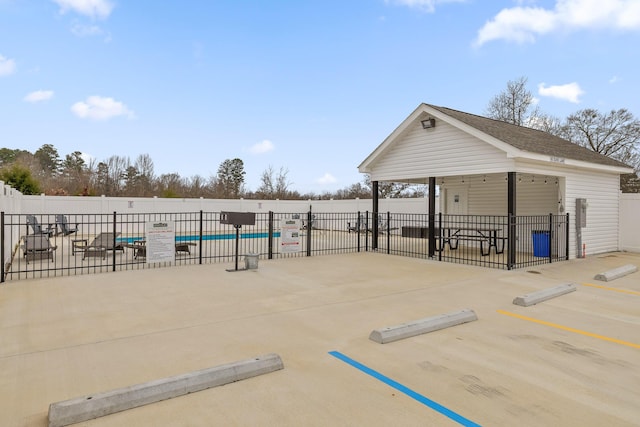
<point>440,241</point>
<point>270,256</point>
<point>566,237</point>
<point>358,228</point>
<point>366,231</point>
<point>2,247</point>
<point>237,227</point>
<point>431,218</point>
<point>388,232</point>
<point>550,237</point>
<point>309,232</point>
<point>511,208</point>
<point>113,255</point>
<point>374,233</point>
<point>200,240</point>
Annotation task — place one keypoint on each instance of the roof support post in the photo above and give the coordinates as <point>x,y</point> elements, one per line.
<point>374,226</point>
<point>432,216</point>
<point>511,208</point>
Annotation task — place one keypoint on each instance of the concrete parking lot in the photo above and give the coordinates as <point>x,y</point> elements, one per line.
<point>572,361</point>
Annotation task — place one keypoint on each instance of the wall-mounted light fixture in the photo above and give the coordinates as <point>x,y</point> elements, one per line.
<point>428,123</point>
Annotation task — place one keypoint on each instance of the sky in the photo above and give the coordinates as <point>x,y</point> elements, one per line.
<point>310,87</point>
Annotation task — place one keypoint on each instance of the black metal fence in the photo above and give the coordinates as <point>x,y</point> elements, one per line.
<point>482,240</point>
<point>71,244</point>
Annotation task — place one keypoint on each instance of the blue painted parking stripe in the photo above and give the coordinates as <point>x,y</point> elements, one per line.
<point>417,396</point>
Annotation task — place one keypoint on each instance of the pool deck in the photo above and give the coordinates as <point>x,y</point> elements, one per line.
<point>571,361</point>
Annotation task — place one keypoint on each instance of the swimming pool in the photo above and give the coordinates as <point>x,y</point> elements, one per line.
<point>195,237</point>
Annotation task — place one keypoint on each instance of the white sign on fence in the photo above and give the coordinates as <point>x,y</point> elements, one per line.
<point>290,236</point>
<point>160,241</point>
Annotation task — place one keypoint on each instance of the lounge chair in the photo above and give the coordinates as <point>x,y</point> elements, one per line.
<point>102,243</point>
<point>140,248</point>
<point>65,229</point>
<point>37,246</point>
<point>359,225</point>
<point>383,224</point>
<point>308,225</point>
<point>37,228</point>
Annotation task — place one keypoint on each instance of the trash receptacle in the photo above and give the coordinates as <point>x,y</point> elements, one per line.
<point>251,261</point>
<point>540,243</point>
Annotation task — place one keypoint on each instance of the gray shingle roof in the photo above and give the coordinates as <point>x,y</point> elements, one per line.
<point>530,140</point>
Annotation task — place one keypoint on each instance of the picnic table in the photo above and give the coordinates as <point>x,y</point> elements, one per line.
<point>487,236</point>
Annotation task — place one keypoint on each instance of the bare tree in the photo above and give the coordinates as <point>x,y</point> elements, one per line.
<point>615,134</point>
<point>171,185</point>
<point>514,104</point>
<point>387,189</point>
<point>146,177</point>
<point>274,185</point>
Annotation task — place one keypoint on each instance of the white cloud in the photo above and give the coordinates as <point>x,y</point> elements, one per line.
<point>81,30</point>
<point>262,147</point>
<point>327,178</point>
<point>90,8</point>
<point>101,108</point>
<point>424,5</point>
<point>39,96</point>
<point>568,92</point>
<point>614,79</point>
<point>524,24</point>
<point>86,30</point>
<point>7,66</point>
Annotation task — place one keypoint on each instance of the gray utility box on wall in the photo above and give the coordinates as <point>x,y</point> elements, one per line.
<point>238,218</point>
<point>581,212</point>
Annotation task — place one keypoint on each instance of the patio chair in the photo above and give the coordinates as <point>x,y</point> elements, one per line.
<point>37,228</point>
<point>383,224</point>
<point>139,248</point>
<point>311,224</point>
<point>358,227</point>
<point>99,246</point>
<point>65,229</point>
<point>37,246</point>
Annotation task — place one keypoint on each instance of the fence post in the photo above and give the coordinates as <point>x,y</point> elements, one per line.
<point>309,228</point>
<point>113,255</point>
<point>358,227</point>
<point>366,231</point>
<point>200,239</point>
<point>388,232</point>
<point>270,256</point>
<point>566,241</point>
<point>511,242</point>
<point>2,246</point>
<point>440,239</point>
<point>550,238</point>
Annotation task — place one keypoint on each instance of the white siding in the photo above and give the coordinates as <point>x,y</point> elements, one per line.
<point>441,151</point>
<point>488,195</point>
<point>602,193</point>
<point>629,224</point>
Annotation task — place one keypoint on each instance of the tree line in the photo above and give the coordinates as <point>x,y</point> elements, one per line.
<point>44,171</point>
<point>615,134</point>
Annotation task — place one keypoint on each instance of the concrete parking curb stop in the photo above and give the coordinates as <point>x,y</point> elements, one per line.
<point>616,273</point>
<point>97,405</point>
<point>543,295</point>
<point>422,326</point>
